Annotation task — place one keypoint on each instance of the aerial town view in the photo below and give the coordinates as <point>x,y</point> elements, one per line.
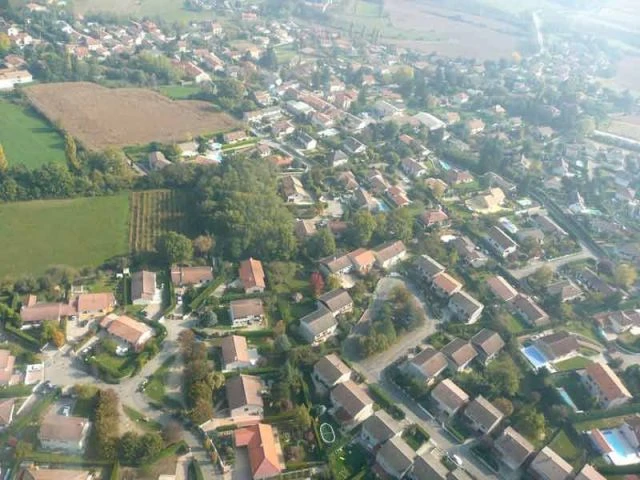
<point>319,239</point>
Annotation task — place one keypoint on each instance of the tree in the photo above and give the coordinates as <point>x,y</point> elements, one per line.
<point>399,225</point>
<point>322,244</point>
<point>5,41</point>
<point>491,155</point>
<point>624,275</point>
<point>282,343</point>
<point>71,152</point>
<point>203,245</point>
<point>362,228</point>
<point>504,405</point>
<point>333,282</point>
<point>208,318</point>
<point>174,247</point>
<point>58,338</point>
<point>3,159</point>
<point>530,423</point>
<point>317,283</point>
<point>540,278</point>
<point>503,376</point>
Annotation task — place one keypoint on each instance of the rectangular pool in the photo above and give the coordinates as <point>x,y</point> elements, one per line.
<point>622,452</point>
<point>536,357</point>
<point>567,399</point>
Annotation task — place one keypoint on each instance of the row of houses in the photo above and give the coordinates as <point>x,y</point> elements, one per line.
<point>523,305</point>
<point>362,260</point>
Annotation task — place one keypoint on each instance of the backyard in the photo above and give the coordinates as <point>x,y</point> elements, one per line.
<point>79,232</point>
<point>564,446</point>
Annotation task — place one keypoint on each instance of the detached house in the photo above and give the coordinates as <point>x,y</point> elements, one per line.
<point>427,365</point>
<point>395,458</point>
<point>605,386</point>
<point>90,305</point>
<point>388,254</point>
<point>548,465</point>
<point>530,311</point>
<point>246,311</point>
<point>236,354</point>
<point>143,288</point>
<point>465,308</point>
<point>444,285</point>
<point>182,276</point>
<point>363,260</point>
<point>513,449</point>
<point>377,429</point>
<point>351,404</point>
<point>329,371</point>
<point>64,434</point>
<point>459,354</point>
<point>502,289</point>
<point>501,243</point>
<point>318,326</point>
<point>244,396</point>
<point>428,267</point>
<point>488,344</point>
<point>337,301</point>
<point>126,330</point>
<point>482,415</point>
<point>449,397</point>
<point>558,346</point>
<point>265,452</point>
<point>252,276</point>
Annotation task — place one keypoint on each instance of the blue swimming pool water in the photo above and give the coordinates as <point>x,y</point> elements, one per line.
<point>445,165</point>
<point>617,442</point>
<point>382,207</point>
<point>535,356</point>
<point>567,399</point>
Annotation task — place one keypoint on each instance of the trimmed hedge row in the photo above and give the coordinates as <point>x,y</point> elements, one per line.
<point>16,391</point>
<point>31,341</point>
<point>611,412</point>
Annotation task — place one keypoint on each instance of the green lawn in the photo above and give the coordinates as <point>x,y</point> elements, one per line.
<point>575,363</point>
<point>347,462</point>
<point>179,92</point>
<point>79,232</point>
<point>566,448</point>
<point>155,388</point>
<point>511,323</point>
<point>599,423</point>
<point>584,329</point>
<point>28,138</point>
<point>144,422</point>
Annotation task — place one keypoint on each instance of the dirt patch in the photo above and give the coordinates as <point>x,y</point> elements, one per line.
<point>627,126</point>
<point>628,74</point>
<point>101,117</point>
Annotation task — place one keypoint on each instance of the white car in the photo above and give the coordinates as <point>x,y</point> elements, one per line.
<point>456,459</point>
<point>66,411</point>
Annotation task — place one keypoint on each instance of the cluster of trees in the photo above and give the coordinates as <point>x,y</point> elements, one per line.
<point>135,449</point>
<point>53,332</point>
<point>199,380</point>
<point>106,431</point>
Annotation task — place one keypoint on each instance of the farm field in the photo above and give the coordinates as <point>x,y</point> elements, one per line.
<point>178,92</point>
<point>101,117</point>
<point>627,126</point>
<point>27,138</point>
<point>152,213</point>
<point>78,232</point>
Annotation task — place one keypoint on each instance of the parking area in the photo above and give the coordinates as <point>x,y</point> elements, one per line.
<point>242,467</point>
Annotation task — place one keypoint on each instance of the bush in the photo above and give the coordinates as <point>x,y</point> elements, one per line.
<point>381,397</point>
<point>16,391</point>
<point>611,412</point>
<point>25,337</point>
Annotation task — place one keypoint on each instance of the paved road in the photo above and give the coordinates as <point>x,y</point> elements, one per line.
<point>554,264</point>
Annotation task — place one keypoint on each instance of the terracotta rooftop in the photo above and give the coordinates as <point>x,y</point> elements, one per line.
<point>252,274</point>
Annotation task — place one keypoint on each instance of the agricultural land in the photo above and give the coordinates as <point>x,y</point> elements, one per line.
<point>626,126</point>
<point>28,138</point>
<point>100,117</point>
<point>79,232</point>
<point>152,213</point>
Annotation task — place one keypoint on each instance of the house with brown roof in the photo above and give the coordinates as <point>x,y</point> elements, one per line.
<point>469,252</point>
<point>444,285</point>
<point>558,346</point>
<point>428,267</point>
<point>91,305</point>
<point>265,453</point>
<point>500,242</point>
<point>427,365</point>
<point>336,264</point>
<point>482,415</point>
<point>252,276</point>
<point>465,308</point>
<point>244,396</point>
<point>338,301</point>
<point>565,290</point>
<point>236,354</point>
<point>428,467</point>
<point>329,371</point>
<point>305,228</point>
<point>126,330</point>
<point>184,276</point>
<point>39,473</point>
<point>390,253</point>
<point>457,177</point>
<point>246,311</point>
<point>34,313</point>
<point>377,429</point>
<point>459,354</point>
<point>548,465</point>
<point>434,217</point>
<point>143,288</point>
<point>7,407</point>
<point>64,434</point>
<point>605,386</point>
<point>530,311</point>
<point>363,260</point>
<point>395,458</point>
<point>351,404</point>
<point>589,473</point>
<point>512,448</point>
<point>7,363</point>
<point>488,344</point>
<point>318,326</point>
<point>449,397</point>
<point>501,288</point>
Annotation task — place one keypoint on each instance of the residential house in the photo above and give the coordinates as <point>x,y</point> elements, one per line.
<point>39,473</point>
<point>246,311</point>
<point>306,141</point>
<point>330,370</point>
<point>475,126</point>
<point>444,285</point>
<point>459,354</point>
<point>143,288</point>
<point>235,137</point>
<point>348,180</point>
<point>426,365</point>
<point>338,301</point>
<point>34,313</point>
<point>353,146</point>
<point>388,254</point>
<point>589,473</point>
<point>530,311</point>
<point>465,308</point>
<point>305,228</point>
<point>413,168</point>
<point>395,457</point>
<point>501,243</point>
<point>7,364</point>
<point>91,305</point>
<point>469,252</point>
<point>488,344</point>
<point>428,467</point>
<point>338,159</point>
<point>318,326</point>
<point>397,196</point>
<point>565,290</point>
<point>619,321</point>
<point>183,276</point>
<point>592,281</point>
<point>501,288</point>
<point>263,446</point>
<point>482,415</point>
<point>488,201</point>
<point>336,264</point>
<point>458,177</point>
<point>293,190</point>
<point>9,78</point>
<point>363,260</point>
<point>364,199</point>
<point>244,396</point>
<point>126,330</point>
<point>236,354</point>
<point>548,465</point>
<point>157,161</point>
<point>64,434</point>
<point>513,449</point>
<point>558,346</point>
<point>605,386</point>
<point>428,267</point>
<point>351,404</point>
<point>252,276</point>
<point>435,217</point>
<point>7,407</point>
<point>377,429</point>
<point>449,397</point>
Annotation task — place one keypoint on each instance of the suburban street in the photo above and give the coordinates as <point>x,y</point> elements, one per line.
<point>554,264</point>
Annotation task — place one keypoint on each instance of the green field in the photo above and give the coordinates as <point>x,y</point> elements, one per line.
<point>27,138</point>
<point>79,232</point>
<point>575,363</point>
<point>179,92</point>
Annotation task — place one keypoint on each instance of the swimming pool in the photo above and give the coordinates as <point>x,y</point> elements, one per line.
<point>445,165</point>
<point>622,452</point>
<point>567,399</point>
<point>536,357</point>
